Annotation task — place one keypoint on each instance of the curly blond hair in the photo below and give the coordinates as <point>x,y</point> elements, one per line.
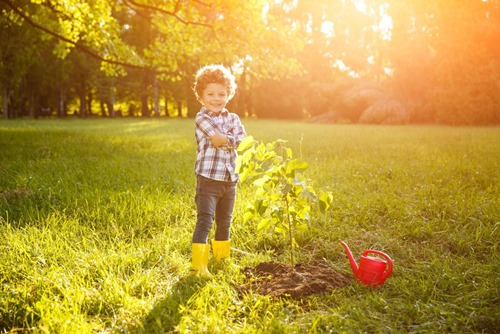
<point>214,74</point>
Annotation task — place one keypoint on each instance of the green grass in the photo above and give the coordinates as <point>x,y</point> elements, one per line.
<point>96,219</point>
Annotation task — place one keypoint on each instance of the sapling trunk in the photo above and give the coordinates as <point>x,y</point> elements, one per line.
<point>290,232</point>
<point>277,176</point>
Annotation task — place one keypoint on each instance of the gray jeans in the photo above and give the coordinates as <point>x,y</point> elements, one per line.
<point>214,199</point>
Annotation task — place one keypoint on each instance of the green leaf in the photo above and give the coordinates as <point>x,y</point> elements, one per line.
<point>306,192</point>
<point>260,192</point>
<point>261,181</point>
<point>244,175</point>
<point>304,212</point>
<point>249,207</point>
<point>247,216</point>
<point>294,166</point>
<point>263,208</point>
<point>280,229</point>
<point>302,227</point>
<point>239,160</point>
<point>286,189</point>
<point>261,149</point>
<point>325,200</point>
<point>299,165</point>
<point>246,144</point>
<point>263,224</point>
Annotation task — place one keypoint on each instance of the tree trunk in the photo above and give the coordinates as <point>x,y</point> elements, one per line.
<point>111,108</point>
<point>103,108</point>
<point>111,101</point>
<point>5,100</point>
<point>156,98</point>
<point>82,95</point>
<point>144,105</point>
<point>192,103</point>
<point>90,97</point>
<point>179,108</point>
<point>144,96</point>
<point>61,112</point>
<point>167,113</point>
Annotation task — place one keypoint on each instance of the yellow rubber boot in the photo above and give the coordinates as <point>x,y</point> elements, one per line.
<point>201,252</point>
<point>222,249</point>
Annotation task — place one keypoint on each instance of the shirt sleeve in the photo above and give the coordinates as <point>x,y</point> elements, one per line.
<point>238,132</point>
<point>205,125</point>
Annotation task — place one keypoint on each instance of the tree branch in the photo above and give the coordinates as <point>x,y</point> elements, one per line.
<point>131,3</point>
<point>203,3</point>
<point>77,45</point>
<point>166,12</point>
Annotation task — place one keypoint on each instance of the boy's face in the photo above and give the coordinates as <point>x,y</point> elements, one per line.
<point>214,97</point>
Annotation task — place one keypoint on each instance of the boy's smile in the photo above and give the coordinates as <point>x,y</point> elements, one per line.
<point>215,97</point>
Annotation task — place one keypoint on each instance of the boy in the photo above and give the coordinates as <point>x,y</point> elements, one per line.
<point>218,134</point>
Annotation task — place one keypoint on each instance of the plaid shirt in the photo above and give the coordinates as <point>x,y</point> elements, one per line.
<point>217,163</point>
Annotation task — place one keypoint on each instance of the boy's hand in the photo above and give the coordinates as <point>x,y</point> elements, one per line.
<point>218,139</point>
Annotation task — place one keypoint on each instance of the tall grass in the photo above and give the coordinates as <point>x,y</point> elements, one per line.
<point>96,219</point>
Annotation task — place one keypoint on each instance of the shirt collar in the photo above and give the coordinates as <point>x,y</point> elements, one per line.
<point>224,112</point>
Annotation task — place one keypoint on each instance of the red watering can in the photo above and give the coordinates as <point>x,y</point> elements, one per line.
<point>372,271</point>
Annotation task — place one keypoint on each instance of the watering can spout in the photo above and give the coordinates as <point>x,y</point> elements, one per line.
<point>354,265</point>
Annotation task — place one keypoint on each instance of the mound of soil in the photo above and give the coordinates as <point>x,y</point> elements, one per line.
<point>281,280</point>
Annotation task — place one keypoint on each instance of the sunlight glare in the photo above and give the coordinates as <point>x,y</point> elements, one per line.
<point>385,25</point>
<point>340,65</point>
<point>361,5</point>
<point>327,28</point>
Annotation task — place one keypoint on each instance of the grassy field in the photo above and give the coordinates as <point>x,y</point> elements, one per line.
<point>96,219</point>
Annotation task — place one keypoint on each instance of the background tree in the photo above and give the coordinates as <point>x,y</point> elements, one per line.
<point>383,61</point>
<point>14,65</point>
<point>433,56</point>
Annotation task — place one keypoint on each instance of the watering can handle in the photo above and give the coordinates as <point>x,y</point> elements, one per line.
<point>387,257</point>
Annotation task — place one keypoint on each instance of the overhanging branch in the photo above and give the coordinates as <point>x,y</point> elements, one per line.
<point>166,12</point>
<point>132,4</point>
<point>77,45</point>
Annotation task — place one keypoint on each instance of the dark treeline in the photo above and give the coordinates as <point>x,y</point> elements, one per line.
<point>375,62</point>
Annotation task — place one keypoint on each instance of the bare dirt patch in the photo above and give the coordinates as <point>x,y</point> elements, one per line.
<point>281,280</point>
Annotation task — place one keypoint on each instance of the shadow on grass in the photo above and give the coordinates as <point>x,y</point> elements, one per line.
<point>165,315</point>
